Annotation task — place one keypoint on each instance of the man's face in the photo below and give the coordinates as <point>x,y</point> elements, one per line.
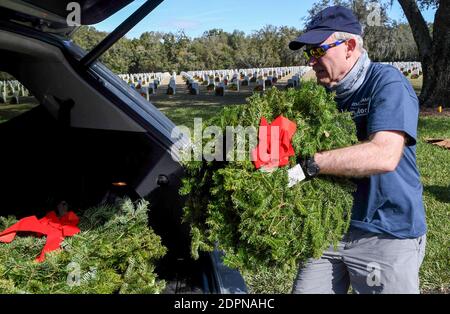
<point>333,66</point>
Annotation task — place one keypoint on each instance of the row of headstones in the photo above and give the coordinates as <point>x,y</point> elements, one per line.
<point>296,78</point>
<point>192,84</point>
<point>244,72</point>
<point>12,90</point>
<point>216,80</point>
<point>134,78</point>
<point>408,68</point>
<point>247,76</point>
<point>147,87</point>
<point>221,80</point>
<point>172,85</point>
<point>145,84</point>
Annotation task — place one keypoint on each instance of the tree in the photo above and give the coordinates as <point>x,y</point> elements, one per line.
<point>287,56</point>
<point>267,39</point>
<point>433,49</point>
<point>152,58</point>
<point>405,48</point>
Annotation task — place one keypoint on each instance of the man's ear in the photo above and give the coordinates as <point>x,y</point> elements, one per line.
<point>351,46</point>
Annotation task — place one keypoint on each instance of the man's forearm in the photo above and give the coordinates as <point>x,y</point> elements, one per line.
<point>359,160</point>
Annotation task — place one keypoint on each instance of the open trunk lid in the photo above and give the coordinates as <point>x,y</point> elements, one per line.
<point>59,16</point>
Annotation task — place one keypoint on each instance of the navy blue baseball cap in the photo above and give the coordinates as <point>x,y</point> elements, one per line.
<point>326,22</point>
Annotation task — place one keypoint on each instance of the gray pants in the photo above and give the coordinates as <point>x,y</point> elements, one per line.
<point>369,262</point>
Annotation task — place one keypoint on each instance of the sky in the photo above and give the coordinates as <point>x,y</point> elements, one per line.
<point>198,16</point>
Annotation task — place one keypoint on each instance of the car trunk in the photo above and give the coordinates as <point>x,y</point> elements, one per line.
<point>44,162</point>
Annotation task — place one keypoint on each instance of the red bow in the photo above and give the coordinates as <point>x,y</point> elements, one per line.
<point>53,227</point>
<point>267,156</point>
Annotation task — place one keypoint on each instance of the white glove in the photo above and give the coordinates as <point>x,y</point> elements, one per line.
<point>295,175</point>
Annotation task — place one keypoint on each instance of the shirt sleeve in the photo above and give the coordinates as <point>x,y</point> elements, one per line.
<point>394,108</point>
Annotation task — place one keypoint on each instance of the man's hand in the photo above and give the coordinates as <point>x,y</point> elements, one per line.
<point>295,175</point>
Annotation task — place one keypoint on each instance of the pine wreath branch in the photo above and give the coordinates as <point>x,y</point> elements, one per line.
<point>115,253</point>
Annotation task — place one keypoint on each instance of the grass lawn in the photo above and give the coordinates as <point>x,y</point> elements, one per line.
<point>184,115</point>
<point>8,111</point>
<point>434,166</point>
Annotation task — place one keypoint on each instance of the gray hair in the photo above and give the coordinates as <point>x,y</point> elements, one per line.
<point>345,36</point>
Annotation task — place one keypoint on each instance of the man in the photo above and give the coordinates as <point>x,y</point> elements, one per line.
<point>384,247</point>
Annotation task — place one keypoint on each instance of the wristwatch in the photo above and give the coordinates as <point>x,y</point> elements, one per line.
<point>311,168</point>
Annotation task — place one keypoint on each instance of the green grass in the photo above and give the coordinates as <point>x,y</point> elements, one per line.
<point>8,111</point>
<point>185,115</point>
<point>434,166</point>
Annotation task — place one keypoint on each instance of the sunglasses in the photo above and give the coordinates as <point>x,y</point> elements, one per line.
<point>320,51</point>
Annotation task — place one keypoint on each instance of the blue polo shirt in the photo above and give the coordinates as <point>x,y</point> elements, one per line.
<point>390,202</point>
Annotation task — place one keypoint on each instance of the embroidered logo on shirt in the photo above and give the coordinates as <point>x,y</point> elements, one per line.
<point>360,108</point>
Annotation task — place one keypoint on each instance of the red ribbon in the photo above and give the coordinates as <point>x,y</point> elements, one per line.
<point>53,227</point>
<point>264,155</point>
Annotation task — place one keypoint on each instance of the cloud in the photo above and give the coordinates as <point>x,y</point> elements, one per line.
<point>182,24</point>
<point>197,20</point>
<point>212,13</point>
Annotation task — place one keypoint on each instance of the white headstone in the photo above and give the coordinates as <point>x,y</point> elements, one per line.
<point>152,87</point>
<point>262,83</point>
<point>173,85</point>
<point>195,88</point>
<point>3,91</point>
<point>295,79</point>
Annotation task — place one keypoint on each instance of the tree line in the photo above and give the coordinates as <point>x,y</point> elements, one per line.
<point>218,49</point>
